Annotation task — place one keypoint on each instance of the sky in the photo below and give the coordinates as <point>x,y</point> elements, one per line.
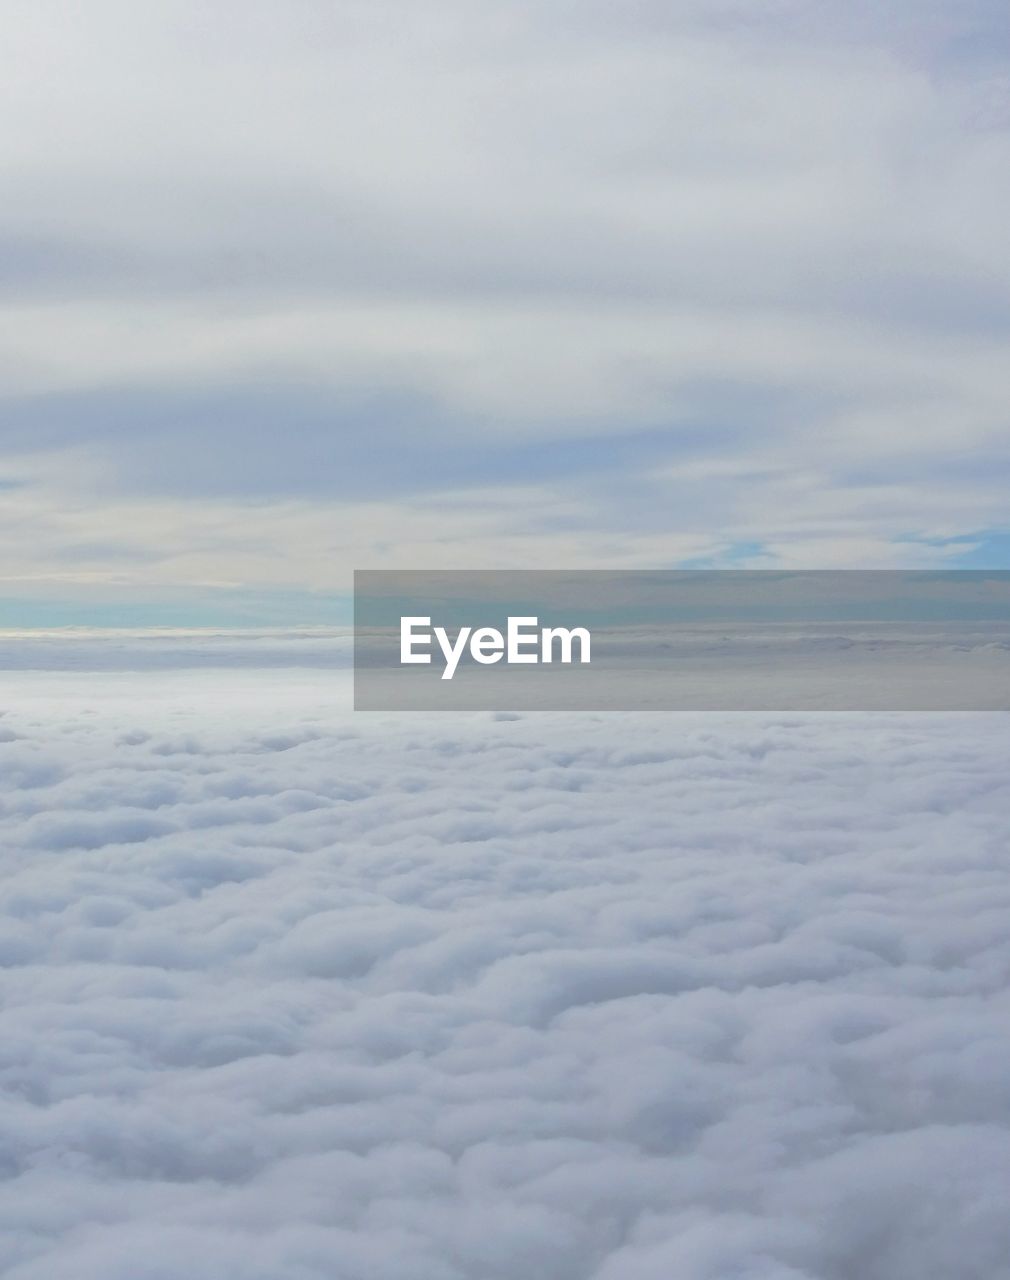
<point>288,289</point>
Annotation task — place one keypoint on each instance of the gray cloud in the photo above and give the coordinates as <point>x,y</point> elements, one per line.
<point>368,252</point>
<point>226,439</point>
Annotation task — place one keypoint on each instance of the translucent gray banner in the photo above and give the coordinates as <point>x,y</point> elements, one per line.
<point>678,640</point>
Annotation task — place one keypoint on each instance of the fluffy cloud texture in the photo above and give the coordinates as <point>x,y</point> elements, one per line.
<point>293,992</point>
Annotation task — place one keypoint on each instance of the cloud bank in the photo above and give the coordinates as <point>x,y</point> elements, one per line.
<point>290,992</point>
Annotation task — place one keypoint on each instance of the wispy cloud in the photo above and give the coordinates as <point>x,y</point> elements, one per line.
<point>694,275</point>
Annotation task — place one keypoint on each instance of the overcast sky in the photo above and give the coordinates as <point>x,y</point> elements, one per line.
<point>290,288</point>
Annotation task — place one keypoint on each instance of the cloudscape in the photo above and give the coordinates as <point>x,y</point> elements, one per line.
<point>296,994</point>
<point>303,980</point>
<point>292,287</point>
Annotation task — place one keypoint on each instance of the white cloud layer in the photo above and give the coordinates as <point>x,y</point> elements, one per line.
<point>294,993</point>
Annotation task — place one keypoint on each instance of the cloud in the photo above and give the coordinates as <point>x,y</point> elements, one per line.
<point>291,991</point>
<point>352,254</point>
